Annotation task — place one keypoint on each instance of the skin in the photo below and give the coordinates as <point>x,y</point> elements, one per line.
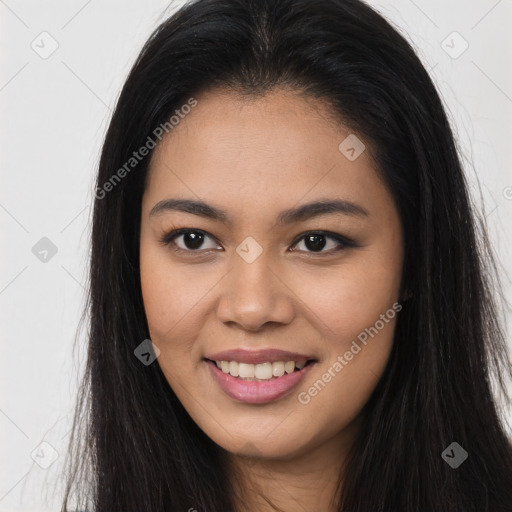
<point>254,158</point>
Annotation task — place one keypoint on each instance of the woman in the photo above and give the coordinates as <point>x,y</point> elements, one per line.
<point>289,298</point>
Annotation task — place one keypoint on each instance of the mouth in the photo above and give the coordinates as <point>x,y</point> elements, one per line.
<point>260,372</point>
<point>259,383</point>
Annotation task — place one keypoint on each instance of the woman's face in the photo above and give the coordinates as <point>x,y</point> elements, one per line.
<point>249,277</point>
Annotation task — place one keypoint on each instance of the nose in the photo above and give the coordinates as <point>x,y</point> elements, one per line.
<point>253,295</point>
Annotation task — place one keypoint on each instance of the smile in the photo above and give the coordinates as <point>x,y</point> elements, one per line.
<point>259,372</point>
<point>258,383</point>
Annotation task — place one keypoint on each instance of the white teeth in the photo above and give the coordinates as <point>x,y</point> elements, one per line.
<point>233,368</point>
<point>289,366</point>
<point>261,371</point>
<point>278,369</point>
<point>246,370</point>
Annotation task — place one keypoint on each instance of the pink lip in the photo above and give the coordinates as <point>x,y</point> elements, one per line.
<point>258,356</point>
<point>257,392</point>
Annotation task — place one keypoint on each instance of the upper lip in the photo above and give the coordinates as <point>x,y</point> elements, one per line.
<point>258,356</point>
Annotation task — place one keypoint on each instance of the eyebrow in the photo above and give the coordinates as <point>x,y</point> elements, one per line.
<point>297,214</point>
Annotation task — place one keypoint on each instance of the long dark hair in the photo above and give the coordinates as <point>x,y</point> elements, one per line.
<point>133,446</point>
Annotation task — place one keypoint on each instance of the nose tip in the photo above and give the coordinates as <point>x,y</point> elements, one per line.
<point>253,297</point>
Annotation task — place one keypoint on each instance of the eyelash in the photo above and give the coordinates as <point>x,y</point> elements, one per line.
<point>343,241</point>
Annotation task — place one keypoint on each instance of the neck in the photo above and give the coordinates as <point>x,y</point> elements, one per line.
<point>309,480</point>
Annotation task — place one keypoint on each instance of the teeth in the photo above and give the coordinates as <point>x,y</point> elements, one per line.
<point>233,368</point>
<point>278,369</point>
<point>289,366</point>
<point>262,371</point>
<point>245,370</point>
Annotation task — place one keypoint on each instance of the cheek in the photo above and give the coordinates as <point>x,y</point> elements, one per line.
<point>354,310</point>
<point>169,292</point>
<point>167,298</point>
<point>345,300</point>
<point>166,304</point>
<point>356,356</point>
<point>177,303</point>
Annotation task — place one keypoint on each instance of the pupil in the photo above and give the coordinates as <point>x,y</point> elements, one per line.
<point>193,240</point>
<point>312,242</point>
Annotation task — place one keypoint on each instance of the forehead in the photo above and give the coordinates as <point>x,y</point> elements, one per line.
<point>259,152</point>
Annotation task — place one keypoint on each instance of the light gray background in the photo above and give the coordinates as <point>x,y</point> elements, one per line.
<point>54,113</point>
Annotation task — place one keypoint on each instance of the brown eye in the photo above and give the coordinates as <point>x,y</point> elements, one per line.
<point>195,240</point>
<point>192,240</point>
<point>316,242</point>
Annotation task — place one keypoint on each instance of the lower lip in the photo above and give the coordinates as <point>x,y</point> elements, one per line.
<point>257,392</point>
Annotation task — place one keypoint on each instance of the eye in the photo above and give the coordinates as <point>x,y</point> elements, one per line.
<point>192,239</point>
<point>316,241</point>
